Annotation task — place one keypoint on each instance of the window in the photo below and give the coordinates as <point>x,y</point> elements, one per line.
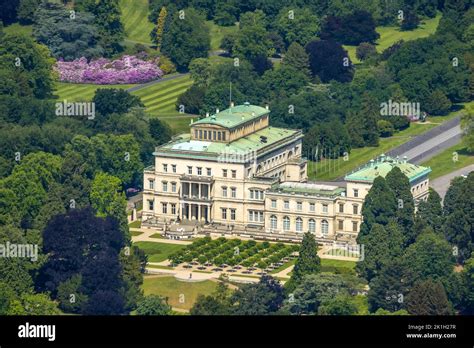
<point>165,168</point>
<point>165,186</point>
<point>151,204</point>
<point>200,134</point>
<point>209,171</point>
<point>312,207</point>
<point>224,213</point>
<point>173,187</point>
<point>255,216</point>
<point>273,222</point>
<point>234,174</point>
<point>286,205</point>
<point>299,224</point>
<point>325,208</point>
<point>340,225</point>
<point>173,168</point>
<point>232,214</point>
<point>173,209</point>
<point>219,136</point>
<point>356,193</point>
<point>223,136</point>
<point>224,191</point>
<point>205,135</point>
<point>341,208</point>
<point>354,226</point>
<point>256,194</point>
<point>324,227</point>
<point>195,133</point>
<point>151,184</point>
<point>274,203</point>
<point>224,173</point>
<point>190,170</point>
<point>355,209</point>
<point>233,192</point>
<point>214,135</point>
<point>312,226</point>
<point>286,223</point>
<point>199,170</point>
<point>164,208</point>
<point>299,206</point>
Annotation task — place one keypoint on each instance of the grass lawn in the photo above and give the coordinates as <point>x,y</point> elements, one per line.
<point>180,294</point>
<point>158,252</point>
<point>330,169</point>
<point>338,263</point>
<point>361,303</point>
<point>443,163</point>
<point>135,20</point>
<point>157,235</point>
<point>80,91</point>
<point>135,233</point>
<point>284,266</point>
<point>135,224</point>
<point>217,32</point>
<point>390,35</point>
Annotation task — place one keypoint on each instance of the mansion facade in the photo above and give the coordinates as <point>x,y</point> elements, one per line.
<point>236,175</point>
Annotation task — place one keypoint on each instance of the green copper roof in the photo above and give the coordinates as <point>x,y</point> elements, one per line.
<point>234,116</point>
<point>311,189</point>
<point>261,140</point>
<point>384,164</point>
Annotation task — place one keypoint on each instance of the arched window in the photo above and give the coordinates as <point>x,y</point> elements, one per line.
<point>273,222</point>
<point>299,224</point>
<point>324,227</point>
<point>286,223</point>
<point>312,225</point>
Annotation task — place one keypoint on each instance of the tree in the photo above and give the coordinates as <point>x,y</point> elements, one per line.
<point>365,51</point>
<point>468,279</point>
<point>467,125</point>
<point>186,39</point>
<point>382,245</point>
<point>153,305</point>
<point>351,29</point>
<point>68,37</point>
<point>379,207</point>
<point>70,297</point>
<point>252,41</point>
<point>33,304</point>
<point>400,186</point>
<point>308,261</point>
<point>431,211</point>
<point>26,10</point>
<point>458,227</point>
<point>430,257</point>
<point>370,111</point>
<point>297,25</point>
<point>160,131</point>
<point>437,103</point>
<point>263,298</point>
<point>389,289</point>
<point>339,305</point>
<point>385,128</point>
<point>216,304</point>
<point>114,100</point>
<point>329,61</point>
<point>160,28</point>
<point>192,99</point>
<point>428,298</point>
<point>410,20</point>
<point>297,58</point>
<point>313,290</point>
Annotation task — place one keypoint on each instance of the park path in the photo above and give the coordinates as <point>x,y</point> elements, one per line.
<point>442,183</point>
<point>146,233</point>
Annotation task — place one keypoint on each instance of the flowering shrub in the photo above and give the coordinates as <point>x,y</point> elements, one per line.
<point>102,71</point>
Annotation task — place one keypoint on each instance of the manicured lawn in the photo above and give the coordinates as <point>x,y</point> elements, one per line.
<point>80,91</point>
<point>135,233</point>
<point>135,20</point>
<point>157,235</point>
<point>361,303</point>
<point>135,224</point>
<point>217,32</point>
<point>180,294</point>
<point>338,263</point>
<point>390,35</point>
<point>329,169</point>
<point>443,163</point>
<point>158,252</point>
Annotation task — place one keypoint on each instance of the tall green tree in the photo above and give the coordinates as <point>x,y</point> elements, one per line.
<point>297,58</point>
<point>153,305</point>
<point>400,186</point>
<point>297,25</point>
<point>187,38</point>
<point>428,298</point>
<point>468,279</point>
<point>308,261</point>
<point>431,211</point>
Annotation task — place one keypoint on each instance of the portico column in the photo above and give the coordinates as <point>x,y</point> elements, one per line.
<point>199,190</point>
<point>189,211</point>
<point>199,210</point>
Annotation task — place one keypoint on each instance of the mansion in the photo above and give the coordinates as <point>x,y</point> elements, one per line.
<point>235,175</point>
